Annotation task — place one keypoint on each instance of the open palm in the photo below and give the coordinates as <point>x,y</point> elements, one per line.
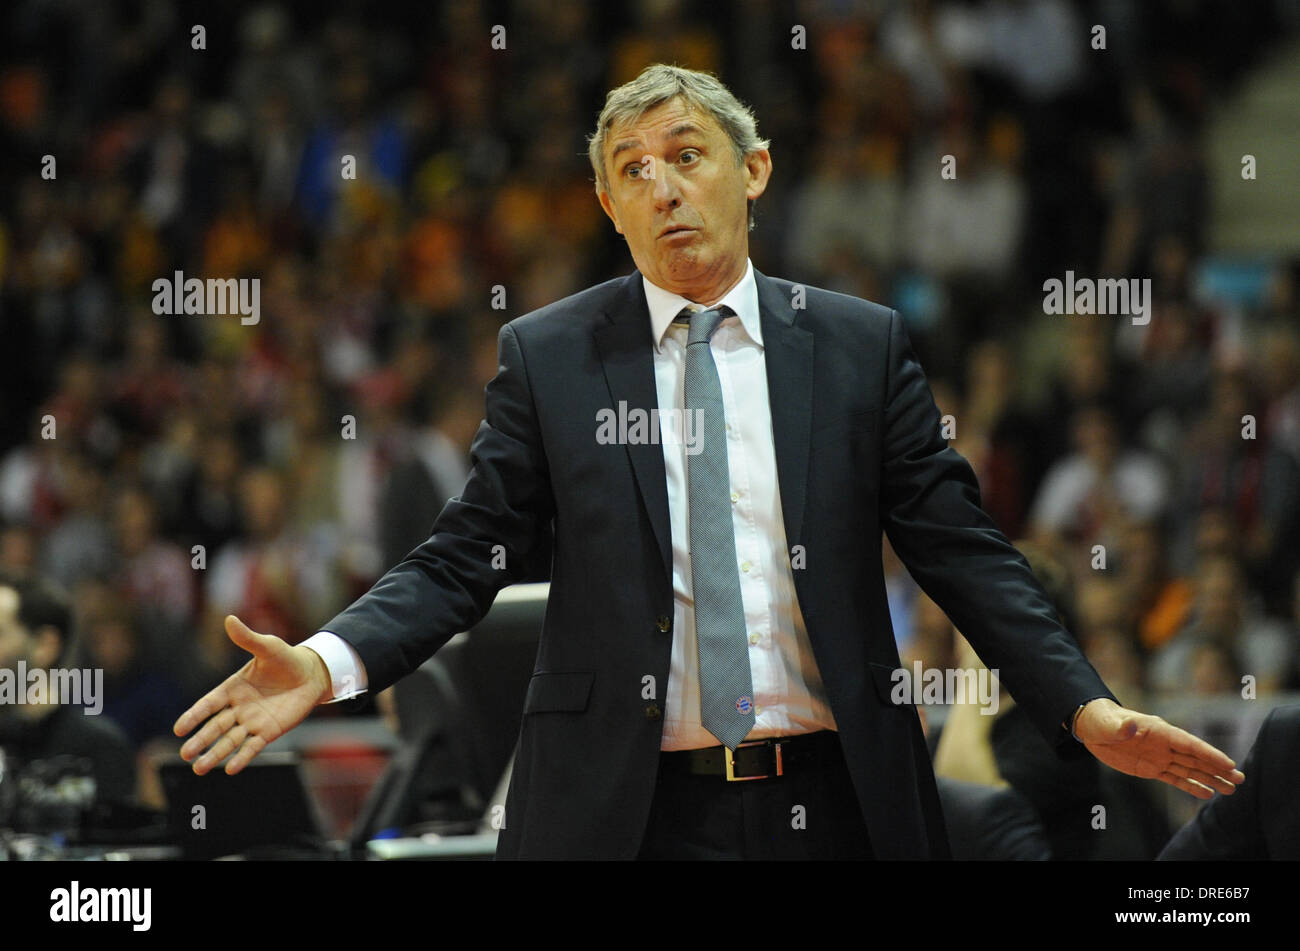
<point>263,700</point>
<point>1146,746</point>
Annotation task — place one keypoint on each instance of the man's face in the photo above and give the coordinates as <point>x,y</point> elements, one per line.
<point>676,169</point>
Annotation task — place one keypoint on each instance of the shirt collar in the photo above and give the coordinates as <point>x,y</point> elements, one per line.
<point>743,299</point>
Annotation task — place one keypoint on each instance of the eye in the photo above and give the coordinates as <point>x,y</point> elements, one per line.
<point>689,153</point>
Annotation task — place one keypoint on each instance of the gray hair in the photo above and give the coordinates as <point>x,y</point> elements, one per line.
<point>656,85</point>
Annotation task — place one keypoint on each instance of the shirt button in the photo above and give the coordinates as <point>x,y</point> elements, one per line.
<point>735,496</point>
<point>664,623</point>
<point>745,566</point>
<point>757,710</point>
<point>754,638</point>
<point>652,712</point>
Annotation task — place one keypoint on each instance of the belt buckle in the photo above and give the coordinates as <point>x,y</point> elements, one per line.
<point>729,756</point>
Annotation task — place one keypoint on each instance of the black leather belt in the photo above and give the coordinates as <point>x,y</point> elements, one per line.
<point>757,759</point>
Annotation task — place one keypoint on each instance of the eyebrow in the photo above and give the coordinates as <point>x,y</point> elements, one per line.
<point>682,128</point>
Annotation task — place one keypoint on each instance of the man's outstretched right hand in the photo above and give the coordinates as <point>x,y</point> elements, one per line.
<point>263,700</point>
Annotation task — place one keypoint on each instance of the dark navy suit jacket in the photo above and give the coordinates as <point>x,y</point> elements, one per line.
<point>858,450</point>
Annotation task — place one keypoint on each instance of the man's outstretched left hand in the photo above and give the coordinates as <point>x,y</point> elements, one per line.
<point>1143,745</point>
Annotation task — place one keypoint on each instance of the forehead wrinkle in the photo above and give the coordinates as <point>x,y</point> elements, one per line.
<point>682,128</point>
<point>623,147</point>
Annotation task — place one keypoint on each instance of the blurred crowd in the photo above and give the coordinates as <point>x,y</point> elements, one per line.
<point>201,466</point>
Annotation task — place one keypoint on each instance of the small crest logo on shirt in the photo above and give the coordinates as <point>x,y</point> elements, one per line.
<point>744,704</point>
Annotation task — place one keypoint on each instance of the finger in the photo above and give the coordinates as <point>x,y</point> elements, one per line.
<point>1185,759</point>
<point>223,748</point>
<point>1211,780</point>
<point>252,746</point>
<point>200,741</point>
<point>1215,768</point>
<point>1186,785</point>
<point>1180,741</point>
<point>1234,776</point>
<point>210,704</point>
<point>1192,762</point>
<point>247,638</point>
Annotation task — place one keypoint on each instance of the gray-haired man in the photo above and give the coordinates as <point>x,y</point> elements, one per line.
<point>668,635</point>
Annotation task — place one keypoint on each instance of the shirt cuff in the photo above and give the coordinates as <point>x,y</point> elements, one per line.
<point>347,672</point>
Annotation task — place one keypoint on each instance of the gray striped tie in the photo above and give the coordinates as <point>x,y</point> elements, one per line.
<point>726,688</point>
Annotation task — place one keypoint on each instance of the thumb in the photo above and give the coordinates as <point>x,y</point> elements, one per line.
<point>247,638</point>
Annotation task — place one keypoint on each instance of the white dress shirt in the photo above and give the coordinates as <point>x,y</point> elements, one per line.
<point>789,697</point>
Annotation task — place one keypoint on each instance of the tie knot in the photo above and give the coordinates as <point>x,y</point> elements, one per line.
<point>703,322</point>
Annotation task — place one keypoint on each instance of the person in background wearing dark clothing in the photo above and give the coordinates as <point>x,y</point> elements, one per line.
<point>1263,821</point>
<point>138,696</point>
<point>35,629</point>
<point>986,824</point>
<point>1003,750</point>
<point>989,823</point>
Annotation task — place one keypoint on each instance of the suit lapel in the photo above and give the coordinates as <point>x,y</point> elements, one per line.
<point>627,356</point>
<point>788,354</point>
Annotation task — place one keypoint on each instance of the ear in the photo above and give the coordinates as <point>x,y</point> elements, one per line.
<point>758,166</point>
<point>607,203</point>
<point>45,647</point>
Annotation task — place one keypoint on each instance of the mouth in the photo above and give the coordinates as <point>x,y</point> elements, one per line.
<point>675,229</point>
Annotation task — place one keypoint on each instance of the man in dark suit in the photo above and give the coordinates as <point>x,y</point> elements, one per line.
<point>716,569</point>
<point>1264,821</point>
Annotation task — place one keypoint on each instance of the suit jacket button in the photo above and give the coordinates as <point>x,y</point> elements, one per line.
<point>664,623</point>
<point>652,712</point>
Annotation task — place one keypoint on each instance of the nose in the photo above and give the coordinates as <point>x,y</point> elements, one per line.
<point>667,193</point>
